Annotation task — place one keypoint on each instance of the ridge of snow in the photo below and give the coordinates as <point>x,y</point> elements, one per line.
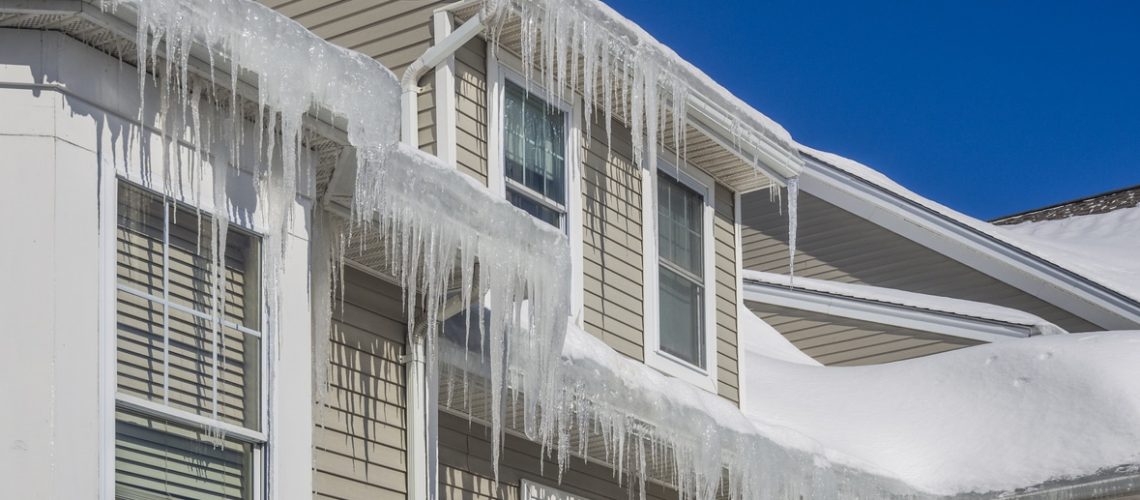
<point>1104,247</point>
<point>980,310</point>
<point>986,418</point>
<point>1045,251</point>
<point>757,335</point>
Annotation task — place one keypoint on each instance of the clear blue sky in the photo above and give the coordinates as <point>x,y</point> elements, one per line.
<point>990,107</point>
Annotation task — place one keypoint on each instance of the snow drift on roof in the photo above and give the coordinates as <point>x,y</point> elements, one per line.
<point>1104,247</point>
<point>914,300</point>
<point>987,418</point>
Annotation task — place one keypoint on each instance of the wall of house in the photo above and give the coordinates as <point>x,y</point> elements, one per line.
<point>66,143</point>
<point>834,244</point>
<point>724,231</point>
<point>471,109</point>
<point>359,430</point>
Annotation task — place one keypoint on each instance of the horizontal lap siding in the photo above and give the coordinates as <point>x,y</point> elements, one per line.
<point>724,233</point>
<point>611,241</point>
<point>846,342</point>
<point>471,109</point>
<point>359,449</point>
<point>834,244</point>
<point>465,468</point>
<point>394,32</point>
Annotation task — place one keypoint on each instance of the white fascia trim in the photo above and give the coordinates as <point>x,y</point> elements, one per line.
<point>704,378</point>
<point>883,313</point>
<point>1045,280</point>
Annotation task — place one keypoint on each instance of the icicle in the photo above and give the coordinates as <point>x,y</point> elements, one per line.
<point>793,223</point>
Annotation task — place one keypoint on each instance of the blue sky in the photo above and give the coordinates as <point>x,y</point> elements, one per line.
<point>988,107</point>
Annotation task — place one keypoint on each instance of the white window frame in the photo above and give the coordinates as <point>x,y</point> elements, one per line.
<point>692,177</point>
<point>530,490</point>
<point>259,440</point>
<point>499,72</point>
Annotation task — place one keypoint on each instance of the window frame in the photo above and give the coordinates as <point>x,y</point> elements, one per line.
<point>257,439</point>
<point>503,66</point>
<point>498,170</point>
<point>705,186</point>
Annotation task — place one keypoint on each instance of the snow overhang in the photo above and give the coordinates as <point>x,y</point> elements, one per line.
<point>958,318</point>
<point>716,120</point>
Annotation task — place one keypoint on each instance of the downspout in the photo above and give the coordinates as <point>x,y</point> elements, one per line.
<point>421,455</point>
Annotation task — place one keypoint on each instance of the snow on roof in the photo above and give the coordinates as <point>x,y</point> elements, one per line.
<point>987,418</point>
<point>758,336</point>
<point>979,310</point>
<point>1104,247</point>
<point>1099,274</point>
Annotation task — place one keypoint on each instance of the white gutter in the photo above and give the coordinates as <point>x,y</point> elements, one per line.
<point>422,451</point>
<point>433,57</point>
<point>884,313</point>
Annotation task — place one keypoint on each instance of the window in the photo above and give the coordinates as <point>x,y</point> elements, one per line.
<point>534,153</point>
<point>680,240</point>
<point>189,395</point>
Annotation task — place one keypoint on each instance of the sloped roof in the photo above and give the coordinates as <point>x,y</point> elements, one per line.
<point>984,237</point>
<point>1090,205</point>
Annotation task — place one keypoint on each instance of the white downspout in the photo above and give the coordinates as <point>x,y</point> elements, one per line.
<point>420,453</point>
<point>431,58</point>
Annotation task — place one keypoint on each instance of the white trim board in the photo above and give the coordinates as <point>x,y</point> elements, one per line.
<point>1002,261</point>
<point>883,313</point>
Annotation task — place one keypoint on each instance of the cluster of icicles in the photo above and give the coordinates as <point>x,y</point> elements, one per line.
<point>443,234</point>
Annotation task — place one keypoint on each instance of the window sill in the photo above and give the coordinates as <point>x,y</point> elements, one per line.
<point>702,378</point>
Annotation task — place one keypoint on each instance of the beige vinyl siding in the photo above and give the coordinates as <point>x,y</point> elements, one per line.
<point>611,241</point>
<point>359,435</point>
<point>465,468</point>
<point>394,32</point>
<point>471,109</point>
<point>834,244</point>
<point>724,233</point>
<point>842,341</point>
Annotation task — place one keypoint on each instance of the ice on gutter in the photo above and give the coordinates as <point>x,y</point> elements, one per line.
<point>431,218</point>
<point>646,419</point>
<point>1033,325</point>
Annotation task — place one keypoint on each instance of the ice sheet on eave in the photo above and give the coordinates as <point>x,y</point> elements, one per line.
<point>1034,246</point>
<point>968,308</point>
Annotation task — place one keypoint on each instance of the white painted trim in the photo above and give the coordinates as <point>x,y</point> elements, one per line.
<point>741,380</point>
<point>704,378</point>
<point>108,330</point>
<point>498,73</point>
<point>884,313</point>
<point>1011,265</point>
<point>530,490</point>
<point>182,417</point>
<point>445,117</point>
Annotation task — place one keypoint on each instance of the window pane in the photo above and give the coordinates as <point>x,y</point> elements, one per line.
<point>534,144</point>
<point>156,459</point>
<point>538,210</point>
<point>167,351</point>
<point>680,225</point>
<point>682,329</point>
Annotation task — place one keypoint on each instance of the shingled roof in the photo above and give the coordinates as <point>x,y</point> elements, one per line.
<point>1097,204</point>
